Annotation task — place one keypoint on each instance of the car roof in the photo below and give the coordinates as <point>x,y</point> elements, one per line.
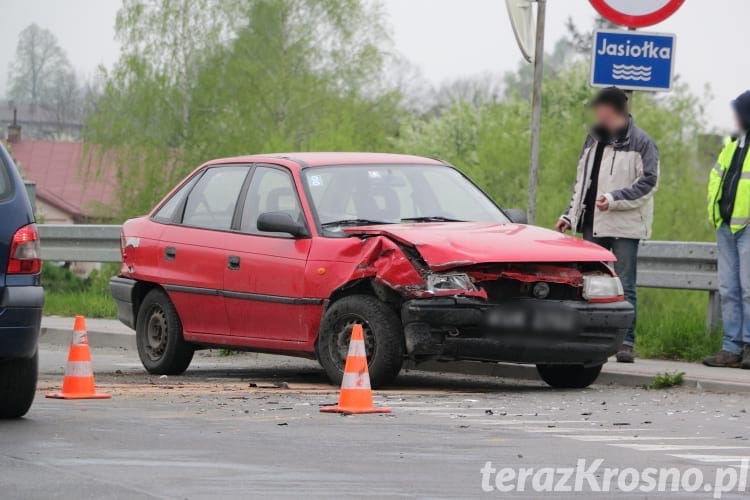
<point>325,159</point>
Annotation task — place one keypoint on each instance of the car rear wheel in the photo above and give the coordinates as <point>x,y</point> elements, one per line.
<point>569,376</point>
<point>158,334</point>
<point>384,339</point>
<point>17,385</point>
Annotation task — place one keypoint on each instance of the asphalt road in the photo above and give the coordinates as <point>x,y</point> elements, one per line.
<point>249,426</point>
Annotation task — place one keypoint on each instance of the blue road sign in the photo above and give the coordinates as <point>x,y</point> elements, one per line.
<point>632,60</point>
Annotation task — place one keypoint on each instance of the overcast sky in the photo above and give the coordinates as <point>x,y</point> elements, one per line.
<point>444,38</point>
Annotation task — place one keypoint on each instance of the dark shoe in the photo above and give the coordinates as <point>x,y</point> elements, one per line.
<point>746,358</point>
<point>625,354</point>
<point>724,359</point>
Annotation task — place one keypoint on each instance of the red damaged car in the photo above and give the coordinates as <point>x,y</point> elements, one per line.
<point>284,253</point>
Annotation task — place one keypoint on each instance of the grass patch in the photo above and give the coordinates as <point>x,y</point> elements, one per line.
<point>667,380</point>
<point>67,294</point>
<point>227,352</point>
<point>672,325</point>
<point>89,304</point>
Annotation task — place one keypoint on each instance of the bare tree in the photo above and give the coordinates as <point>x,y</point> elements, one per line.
<point>38,65</point>
<point>64,100</point>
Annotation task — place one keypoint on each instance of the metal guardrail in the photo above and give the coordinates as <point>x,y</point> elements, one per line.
<point>678,264</point>
<point>661,264</point>
<point>80,243</point>
<point>682,265</point>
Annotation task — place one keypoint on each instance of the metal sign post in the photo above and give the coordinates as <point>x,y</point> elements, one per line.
<point>536,110</point>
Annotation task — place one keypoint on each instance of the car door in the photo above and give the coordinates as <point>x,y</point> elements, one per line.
<point>264,272</point>
<point>193,249</point>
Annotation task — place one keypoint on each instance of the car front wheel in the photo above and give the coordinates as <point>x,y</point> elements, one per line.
<point>17,385</point>
<point>158,335</point>
<point>569,376</point>
<point>384,340</point>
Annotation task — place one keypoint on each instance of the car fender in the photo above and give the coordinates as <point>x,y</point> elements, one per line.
<point>377,259</point>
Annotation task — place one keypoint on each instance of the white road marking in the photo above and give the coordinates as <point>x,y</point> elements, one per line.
<point>604,439</point>
<point>565,430</point>
<point>581,430</point>
<point>677,447</point>
<point>713,458</point>
<point>488,421</point>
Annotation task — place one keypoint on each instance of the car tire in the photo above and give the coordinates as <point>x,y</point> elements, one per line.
<point>17,385</point>
<point>158,335</point>
<point>569,376</point>
<point>384,338</point>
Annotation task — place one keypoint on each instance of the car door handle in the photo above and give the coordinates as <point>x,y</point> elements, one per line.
<point>170,253</point>
<point>233,262</point>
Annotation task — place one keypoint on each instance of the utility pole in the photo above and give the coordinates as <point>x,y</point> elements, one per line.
<point>536,109</point>
<point>629,92</point>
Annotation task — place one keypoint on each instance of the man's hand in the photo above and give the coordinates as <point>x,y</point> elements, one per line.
<point>562,226</point>
<point>602,203</point>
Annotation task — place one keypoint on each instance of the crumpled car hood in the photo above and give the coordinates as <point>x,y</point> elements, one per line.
<point>445,245</point>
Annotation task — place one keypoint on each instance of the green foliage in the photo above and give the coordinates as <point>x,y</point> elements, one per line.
<point>67,294</point>
<point>58,279</point>
<point>488,142</point>
<point>667,380</point>
<point>91,305</point>
<point>672,325</point>
<point>210,78</point>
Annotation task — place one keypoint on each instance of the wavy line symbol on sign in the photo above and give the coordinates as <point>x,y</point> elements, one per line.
<point>631,72</point>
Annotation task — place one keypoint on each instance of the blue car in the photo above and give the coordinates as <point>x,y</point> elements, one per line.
<point>21,293</point>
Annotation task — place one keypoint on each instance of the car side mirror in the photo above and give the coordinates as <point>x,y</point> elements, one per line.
<point>517,215</point>
<point>281,222</point>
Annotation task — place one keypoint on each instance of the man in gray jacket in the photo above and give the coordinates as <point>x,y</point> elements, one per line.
<point>613,199</point>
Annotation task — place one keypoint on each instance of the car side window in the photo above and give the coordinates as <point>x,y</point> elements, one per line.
<point>212,201</point>
<point>270,190</point>
<point>5,183</point>
<point>169,211</point>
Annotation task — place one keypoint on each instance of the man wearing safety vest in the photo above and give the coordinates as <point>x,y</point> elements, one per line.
<point>729,212</point>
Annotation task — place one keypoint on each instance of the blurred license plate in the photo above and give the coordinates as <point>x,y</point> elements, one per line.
<point>538,316</point>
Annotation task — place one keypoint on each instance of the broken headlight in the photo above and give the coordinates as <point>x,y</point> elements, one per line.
<point>597,288</point>
<point>460,282</point>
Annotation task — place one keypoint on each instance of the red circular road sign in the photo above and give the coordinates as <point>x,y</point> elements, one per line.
<point>636,14</point>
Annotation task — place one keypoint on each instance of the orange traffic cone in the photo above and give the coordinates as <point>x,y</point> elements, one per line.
<point>78,382</point>
<point>356,394</point>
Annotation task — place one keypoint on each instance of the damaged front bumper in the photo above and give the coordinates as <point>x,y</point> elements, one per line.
<point>521,331</point>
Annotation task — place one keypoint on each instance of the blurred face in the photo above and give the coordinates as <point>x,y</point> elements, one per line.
<point>738,122</point>
<point>607,117</point>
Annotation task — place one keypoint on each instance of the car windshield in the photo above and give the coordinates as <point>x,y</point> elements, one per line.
<point>347,195</point>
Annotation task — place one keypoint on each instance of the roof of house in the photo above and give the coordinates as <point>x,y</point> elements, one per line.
<point>65,177</point>
<point>32,113</point>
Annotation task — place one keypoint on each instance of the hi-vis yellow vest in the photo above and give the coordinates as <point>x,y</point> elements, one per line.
<point>741,212</point>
